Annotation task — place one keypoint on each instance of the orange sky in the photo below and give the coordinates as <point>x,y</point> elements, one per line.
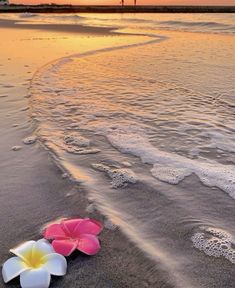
<point>143,2</point>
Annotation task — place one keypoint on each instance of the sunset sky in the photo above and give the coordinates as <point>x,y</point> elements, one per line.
<point>142,2</point>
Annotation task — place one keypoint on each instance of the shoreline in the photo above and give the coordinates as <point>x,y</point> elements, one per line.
<point>114,9</point>
<point>67,28</point>
<point>34,190</point>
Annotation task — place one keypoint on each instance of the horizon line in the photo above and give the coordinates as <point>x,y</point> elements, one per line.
<point>119,5</point>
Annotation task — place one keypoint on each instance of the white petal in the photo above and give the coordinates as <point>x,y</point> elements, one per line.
<point>12,268</point>
<point>35,278</point>
<point>23,250</point>
<point>44,246</point>
<point>56,264</point>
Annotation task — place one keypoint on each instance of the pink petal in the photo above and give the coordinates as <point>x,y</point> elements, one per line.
<point>88,244</point>
<point>64,247</point>
<point>88,226</point>
<point>54,231</point>
<point>70,224</point>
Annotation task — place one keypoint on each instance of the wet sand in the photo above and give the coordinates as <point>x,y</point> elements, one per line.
<point>33,190</point>
<point>67,28</point>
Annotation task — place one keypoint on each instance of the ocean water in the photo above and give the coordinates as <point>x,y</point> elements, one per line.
<point>213,23</point>
<point>148,129</point>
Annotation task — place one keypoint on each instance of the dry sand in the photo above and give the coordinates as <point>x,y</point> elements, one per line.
<point>32,190</point>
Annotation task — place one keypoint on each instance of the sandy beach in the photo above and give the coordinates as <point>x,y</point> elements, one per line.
<point>33,190</point>
<point>148,222</point>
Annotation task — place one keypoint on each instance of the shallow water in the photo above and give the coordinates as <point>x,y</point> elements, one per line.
<point>148,129</point>
<point>212,23</point>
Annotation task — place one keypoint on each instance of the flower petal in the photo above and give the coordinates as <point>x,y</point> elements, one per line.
<point>24,250</point>
<point>42,247</point>
<point>70,224</point>
<point>88,244</point>
<point>12,268</point>
<point>64,247</point>
<point>88,226</point>
<point>35,278</point>
<point>55,264</point>
<point>54,231</point>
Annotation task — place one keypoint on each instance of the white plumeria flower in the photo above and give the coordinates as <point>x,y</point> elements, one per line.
<point>36,261</point>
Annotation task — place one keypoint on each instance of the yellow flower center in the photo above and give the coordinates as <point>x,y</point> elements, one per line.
<point>34,259</point>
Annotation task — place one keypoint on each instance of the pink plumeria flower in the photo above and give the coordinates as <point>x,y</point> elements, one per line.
<point>72,234</point>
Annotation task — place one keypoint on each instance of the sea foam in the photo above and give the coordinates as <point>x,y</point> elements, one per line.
<point>77,144</point>
<point>172,168</point>
<point>215,242</point>
<point>120,176</point>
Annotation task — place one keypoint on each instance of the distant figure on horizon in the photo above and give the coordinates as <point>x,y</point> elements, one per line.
<point>122,2</point>
<point>135,2</point>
